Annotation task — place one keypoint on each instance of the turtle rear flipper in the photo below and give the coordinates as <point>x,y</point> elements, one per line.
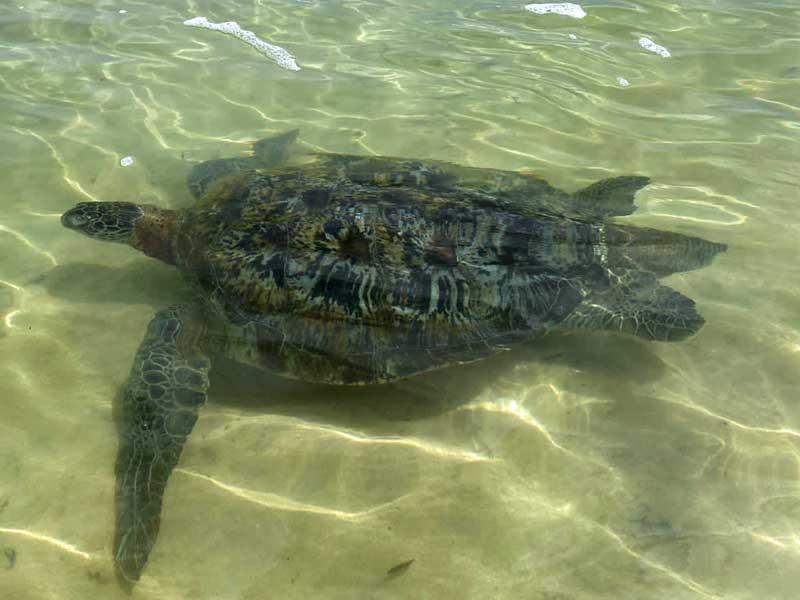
<point>610,197</point>
<point>656,251</point>
<point>166,388</point>
<point>636,304</point>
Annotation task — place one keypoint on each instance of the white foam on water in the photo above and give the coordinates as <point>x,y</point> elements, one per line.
<point>623,82</point>
<point>126,161</point>
<point>278,54</point>
<point>567,9</point>
<point>650,45</point>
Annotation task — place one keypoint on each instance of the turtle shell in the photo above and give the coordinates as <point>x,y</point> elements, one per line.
<point>352,269</point>
<point>384,280</point>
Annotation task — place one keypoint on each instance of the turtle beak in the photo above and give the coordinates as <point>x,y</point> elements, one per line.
<point>74,218</point>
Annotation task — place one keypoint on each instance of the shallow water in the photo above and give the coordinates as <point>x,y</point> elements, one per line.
<point>585,466</point>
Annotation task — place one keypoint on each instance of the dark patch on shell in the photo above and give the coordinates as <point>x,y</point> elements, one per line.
<point>442,252</point>
<point>317,198</point>
<point>333,228</point>
<point>275,267</point>
<point>397,196</point>
<point>232,211</point>
<point>355,246</point>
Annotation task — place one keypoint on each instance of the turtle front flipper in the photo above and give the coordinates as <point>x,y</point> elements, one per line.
<point>267,153</point>
<point>166,388</point>
<point>274,151</point>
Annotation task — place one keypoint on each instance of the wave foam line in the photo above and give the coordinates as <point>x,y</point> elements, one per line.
<point>651,46</point>
<point>567,9</point>
<point>276,53</point>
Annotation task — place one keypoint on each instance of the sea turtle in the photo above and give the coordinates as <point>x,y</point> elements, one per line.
<point>362,270</point>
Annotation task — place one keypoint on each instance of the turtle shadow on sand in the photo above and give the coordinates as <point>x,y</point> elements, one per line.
<point>609,358</point>
<point>356,271</point>
<point>137,282</point>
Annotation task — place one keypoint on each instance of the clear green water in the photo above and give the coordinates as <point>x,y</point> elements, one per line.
<point>587,466</point>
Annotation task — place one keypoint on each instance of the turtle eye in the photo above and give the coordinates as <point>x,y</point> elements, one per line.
<point>75,218</point>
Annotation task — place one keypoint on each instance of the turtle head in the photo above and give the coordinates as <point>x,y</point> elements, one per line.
<point>109,221</point>
<point>143,226</point>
